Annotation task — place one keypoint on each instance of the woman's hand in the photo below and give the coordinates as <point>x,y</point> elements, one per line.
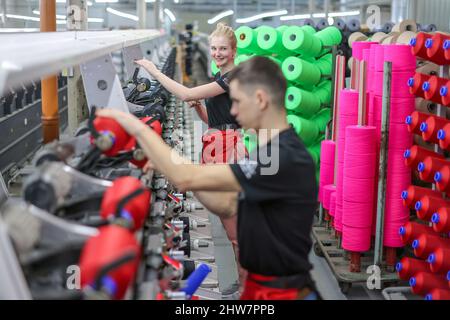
<point>128,122</point>
<point>194,103</point>
<point>148,65</point>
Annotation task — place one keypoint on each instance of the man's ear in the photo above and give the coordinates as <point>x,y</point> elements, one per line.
<point>262,99</point>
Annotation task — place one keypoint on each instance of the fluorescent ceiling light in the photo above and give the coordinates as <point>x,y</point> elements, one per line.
<point>176,1</point>
<point>344,13</point>
<point>15,16</point>
<point>122,14</point>
<point>220,16</point>
<point>170,14</point>
<point>330,21</point>
<point>89,3</point>
<point>58,16</point>
<point>61,21</point>
<point>106,1</point>
<point>262,15</point>
<point>153,1</point>
<point>295,17</point>
<point>7,30</point>
<point>96,20</point>
<point>319,15</point>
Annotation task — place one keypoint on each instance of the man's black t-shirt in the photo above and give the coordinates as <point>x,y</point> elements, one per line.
<point>218,107</point>
<point>275,211</point>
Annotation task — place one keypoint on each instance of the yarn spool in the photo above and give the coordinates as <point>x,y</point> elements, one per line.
<point>446,47</point>
<point>340,24</point>
<point>412,230</point>
<point>438,294</point>
<point>322,24</point>
<point>241,58</point>
<point>278,60</point>
<point>379,37</point>
<point>399,88</point>
<point>408,267</point>
<point>427,27</point>
<point>348,115</point>
<point>418,45</point>
<point>429,166</point>
<point>301,102</point>
<point>423,282</point>
<point>439,260</point>
<point>247,40</point>
<point>442,179</point>
<point>300,71</point>
<point>326,194</point>
<point>135,209</point>
<point>431,126</point>
<point>359,46</point>
<point>324,64</point>
<point>111,129</point>
<point>308,28</point>
<point>358,187</point>
<point>427,205</point>
<point>444,91</point>
<point>327,156</point>
<point>323,92</point>
<point>314,151</point>
<point>426,244</point>
<point>309,23</point>
<point>405,37</point>
<point>300,40</point>
<point>413,193</point>
<point>401,57</point>
<point>111,244</point>
<point>214,68</point>
<point>443,136</point>
<point>322,118</point>
<point>417,154</point>
<point>329,36</point>
<point>353,25</point>
<point>271,40</point>
<point>432,88</point>
<point>387,27</point>
<point>356,36</point>
<point>441,220</point>
<point>405,25</point>
<point>415,120</point>
<point>435,48</point>
<point>415,84</point>
<point>332,210</point>
<point>307,130</point>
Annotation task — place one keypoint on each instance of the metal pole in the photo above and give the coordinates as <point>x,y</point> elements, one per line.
<point>50,117</point>
<point>378,254</point>
<point>156,9</point>
<point>141,7</point>
<point>311,6</point>
<point>3,14</point>
<point>77,20</point>
<point>233,23</point>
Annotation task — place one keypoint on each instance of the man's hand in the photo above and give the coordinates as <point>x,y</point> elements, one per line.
<point>127,121</point>
<point>149,66</point>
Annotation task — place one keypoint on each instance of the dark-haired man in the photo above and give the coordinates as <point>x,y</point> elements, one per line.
<point>273,193</point>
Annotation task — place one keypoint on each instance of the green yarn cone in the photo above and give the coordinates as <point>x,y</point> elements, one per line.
<point>322,118</point>
<point>247,40</point>
<point>301,102</point>
<point>250,140</point>
<point>278,60</point>
<point>325,64</point>
<point>300,71</point>
<point>323,92</point>
<point>314,151</point>
<point>308,29</point>
<point>302,42</point>
<point>329,36</point>
<point>307,130</point>
<point>270,39</point>
<point>241,58</point>
<point>214,68</point>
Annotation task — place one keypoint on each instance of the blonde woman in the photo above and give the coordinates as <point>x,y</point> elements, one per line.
<point>222,142</point>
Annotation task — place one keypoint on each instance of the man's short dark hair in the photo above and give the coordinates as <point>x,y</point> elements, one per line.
<point>261,71</point>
